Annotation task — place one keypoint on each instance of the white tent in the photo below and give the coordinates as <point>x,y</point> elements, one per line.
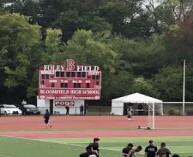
<point>117,107</point>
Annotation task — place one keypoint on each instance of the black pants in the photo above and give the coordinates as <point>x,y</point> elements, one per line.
<point>46,120</point>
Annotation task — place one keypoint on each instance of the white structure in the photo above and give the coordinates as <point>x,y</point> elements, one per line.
<point>42,105</point>
<point>117,107</point>
<point>59,106</point>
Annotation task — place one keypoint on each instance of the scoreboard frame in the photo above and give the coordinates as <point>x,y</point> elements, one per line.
<point>69,81</point>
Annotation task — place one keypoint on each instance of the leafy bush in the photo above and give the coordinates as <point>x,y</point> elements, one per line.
<point>173,112</point>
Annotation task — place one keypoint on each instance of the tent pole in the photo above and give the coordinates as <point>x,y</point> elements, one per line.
<point>149,118</point>
<point>153,117</point>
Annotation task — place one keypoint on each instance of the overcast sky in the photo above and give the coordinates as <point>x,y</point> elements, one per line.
<point>154,2</point>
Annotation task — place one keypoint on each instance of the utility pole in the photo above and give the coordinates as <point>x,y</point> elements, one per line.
<point>184,87</point>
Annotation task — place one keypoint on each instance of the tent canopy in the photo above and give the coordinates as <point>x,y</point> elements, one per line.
<point>153,104</point>
<point>137,98</point>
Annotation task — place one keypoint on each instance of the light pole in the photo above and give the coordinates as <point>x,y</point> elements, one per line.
<point>184,87</point>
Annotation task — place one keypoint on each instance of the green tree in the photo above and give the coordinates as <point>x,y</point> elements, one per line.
<point>144,86</point>
<point>49,51</point>
<point>169,83</point>
<point>128,18</point>
<point>17,37</point>
<point>118,84</point>
<point>84,48</point>
<point>140,57</point>
<point>178,8</point>
<point>53,40</point>
<point>67,15</point>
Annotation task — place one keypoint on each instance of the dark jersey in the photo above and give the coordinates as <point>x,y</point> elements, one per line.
<point>47,115</point>
<point>151,151</point>
<point>95,146</point>
<point>81,108</point>
<point>125,151</point>
<point>164,151</point>
<point>88,155</point>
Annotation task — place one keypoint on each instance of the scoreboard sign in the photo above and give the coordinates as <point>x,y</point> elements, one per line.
<point>64,103</point>
<point>69,81</point>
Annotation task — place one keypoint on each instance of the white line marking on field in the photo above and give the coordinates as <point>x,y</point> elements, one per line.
<point>102,148</point>
<point>25,138</point>
<point>1,155</point>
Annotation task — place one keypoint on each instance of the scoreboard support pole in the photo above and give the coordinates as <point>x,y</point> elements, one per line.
<point>51,107</point>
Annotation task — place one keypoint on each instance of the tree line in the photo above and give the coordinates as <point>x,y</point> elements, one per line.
<point>140,45</point>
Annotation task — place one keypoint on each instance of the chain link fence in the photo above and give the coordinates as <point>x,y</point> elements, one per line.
<point>168,109</point>
<point>90,110</point>
<point>177,109</point>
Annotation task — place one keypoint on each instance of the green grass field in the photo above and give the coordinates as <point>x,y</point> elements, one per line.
<point>110,147</point>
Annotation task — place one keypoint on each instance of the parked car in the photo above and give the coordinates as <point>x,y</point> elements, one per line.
<point>29,109</point>
<point>9,109</point>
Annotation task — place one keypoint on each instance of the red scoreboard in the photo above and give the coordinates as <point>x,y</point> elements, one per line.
<point>69,81</point>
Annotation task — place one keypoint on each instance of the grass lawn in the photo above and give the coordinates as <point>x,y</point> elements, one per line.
<point>68,147</point>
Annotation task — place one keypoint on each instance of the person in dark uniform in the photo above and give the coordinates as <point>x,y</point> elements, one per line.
<point>67,110</point>
<point>126,150</point>
<point>81,110</point>
<point>23,109</point>
<point>163,150</point>
<point>150,151</point>
<point>95,145</point>
<point>133,152</point>
<point>89,152</point>
<point>47,118</point>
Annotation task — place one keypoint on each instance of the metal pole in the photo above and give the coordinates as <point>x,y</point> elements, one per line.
<point>149,118</point>
<point>153,117</point>
<point>184,86</point>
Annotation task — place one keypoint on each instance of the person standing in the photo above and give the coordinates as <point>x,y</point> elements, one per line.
<point>129,113</point>
<point>81,110</point>
<point>47,119</point>
<point>163,150</point>
<point>150,151</point>
<point>67,110</point>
